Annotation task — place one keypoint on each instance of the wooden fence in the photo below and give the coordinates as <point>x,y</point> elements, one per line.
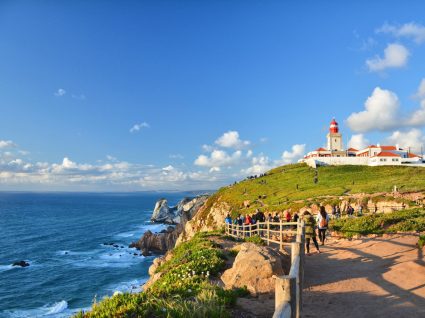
<point>288,288</point>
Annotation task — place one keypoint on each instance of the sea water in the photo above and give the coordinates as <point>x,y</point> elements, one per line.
<point>62,236</point>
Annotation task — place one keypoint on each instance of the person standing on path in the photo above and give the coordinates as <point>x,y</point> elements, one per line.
<point>322,221</point>
<point>310,233</point>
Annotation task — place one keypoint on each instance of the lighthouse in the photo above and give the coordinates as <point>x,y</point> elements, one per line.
<point>334,137</point>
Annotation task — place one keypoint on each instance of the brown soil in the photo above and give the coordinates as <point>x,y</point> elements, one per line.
<point>370,277</point>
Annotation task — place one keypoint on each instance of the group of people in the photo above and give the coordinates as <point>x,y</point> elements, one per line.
<point>320,222</point>
<point>314,225</point>
<point>259,216</point>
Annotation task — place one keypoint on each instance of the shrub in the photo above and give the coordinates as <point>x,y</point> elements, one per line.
<point>421,241</point>
<point>255,239</point>
<point>400,221</point>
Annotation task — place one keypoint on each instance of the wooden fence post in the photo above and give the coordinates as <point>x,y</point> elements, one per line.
<point>268,232</point>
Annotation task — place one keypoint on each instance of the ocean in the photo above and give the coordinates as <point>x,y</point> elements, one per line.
<point>62,236</point>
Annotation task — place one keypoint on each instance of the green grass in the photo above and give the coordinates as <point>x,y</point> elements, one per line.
<point>255,239</point>
<point>183,290</point>
<point>280,186</point>
<point>421,241</point>
<point>401,221</point>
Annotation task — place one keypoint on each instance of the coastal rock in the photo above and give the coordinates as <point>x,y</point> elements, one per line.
<point>21,264</point>
<point>254,267</point>
<point>156,242</point>
<point>201,221</point>
<point>162,212</point>
<point>166,239</point>
<point>176,215</point>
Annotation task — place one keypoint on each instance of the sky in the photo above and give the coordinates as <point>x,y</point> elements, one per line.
<point>191,95</point>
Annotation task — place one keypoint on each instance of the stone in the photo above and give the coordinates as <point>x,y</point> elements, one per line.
<point>254,267</point>
<point>21,264</point>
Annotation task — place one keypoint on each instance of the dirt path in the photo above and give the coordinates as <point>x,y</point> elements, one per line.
<point>371,277</point>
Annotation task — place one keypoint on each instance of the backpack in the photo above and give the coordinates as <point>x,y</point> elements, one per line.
<point>323,223</point>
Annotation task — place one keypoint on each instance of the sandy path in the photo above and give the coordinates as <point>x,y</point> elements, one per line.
<point>371,277</point>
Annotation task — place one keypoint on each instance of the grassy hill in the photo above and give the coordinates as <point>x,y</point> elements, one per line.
<point>291,185</point>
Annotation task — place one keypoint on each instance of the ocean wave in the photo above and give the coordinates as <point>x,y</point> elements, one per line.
<point>56,310</point>
<point>4,268</point>
<point>121,258</point>
<point>133,286</point>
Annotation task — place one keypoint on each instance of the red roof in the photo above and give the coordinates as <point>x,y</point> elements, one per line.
<point>386,154</point>
<point>371,146</point>
<point>412,155</point>
<point>352,149</point>
<point>320,149</point>
<point>388,148</point>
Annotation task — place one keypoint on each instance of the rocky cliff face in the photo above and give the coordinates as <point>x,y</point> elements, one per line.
<point>174,215</point>
<point>179,215</point>
<point>206,219</point>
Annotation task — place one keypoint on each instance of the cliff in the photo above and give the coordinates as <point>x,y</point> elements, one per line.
<point>179,215</point>
<point>293,187</point>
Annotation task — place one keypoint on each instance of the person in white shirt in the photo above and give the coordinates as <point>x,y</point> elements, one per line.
<point>322,224</point>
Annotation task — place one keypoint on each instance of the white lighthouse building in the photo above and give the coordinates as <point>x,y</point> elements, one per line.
<point>373,155</point>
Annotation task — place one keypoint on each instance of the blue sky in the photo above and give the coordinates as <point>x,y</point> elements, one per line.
<point>151,95</point>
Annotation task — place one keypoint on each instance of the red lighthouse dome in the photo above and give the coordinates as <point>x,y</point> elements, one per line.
<point>333,128</point>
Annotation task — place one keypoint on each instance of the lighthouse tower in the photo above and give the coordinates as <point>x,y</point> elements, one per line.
<point>334,137</point>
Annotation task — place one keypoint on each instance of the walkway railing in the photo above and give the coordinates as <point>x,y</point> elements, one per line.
<point>282,233</point>
<point>288,288</point>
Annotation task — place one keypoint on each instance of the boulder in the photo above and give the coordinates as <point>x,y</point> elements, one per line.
<point>254,267</point>
<point>162,212</point>
<point>21,264</point>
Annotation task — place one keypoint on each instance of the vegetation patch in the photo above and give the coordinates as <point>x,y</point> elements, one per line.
<point>290,186</point>
<point>185,288</point>
<point>421,241</point>
<point>400,221</point>
<point>255,239</point>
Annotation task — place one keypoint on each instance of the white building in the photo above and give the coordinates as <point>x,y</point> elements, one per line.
<point>373,155</point>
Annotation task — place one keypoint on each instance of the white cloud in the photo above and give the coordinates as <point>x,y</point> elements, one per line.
<point>219,158</point>
<point>408,30</point>
<point>297,152</point>
<point>412,138</point>
<point>138,127</point>
<point>420,94</point>
<point>7,144</point>
<point>395,56</point>
<point>231,139</point>
<point>60,92</point>
<point>207,148</point>
<point>358,142</point>
<point>259,165</point>
<point>381,112</point>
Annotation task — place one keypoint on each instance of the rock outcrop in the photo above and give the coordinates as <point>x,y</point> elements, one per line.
<point>157,242</point>
<point>173,215</point>
<point>254,267</point>
<point>21,264</point>
<point>206,219</point>
<point>179,215</point>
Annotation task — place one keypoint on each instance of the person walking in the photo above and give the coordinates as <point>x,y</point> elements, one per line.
<point>322,222</point>
<point>310,233</point>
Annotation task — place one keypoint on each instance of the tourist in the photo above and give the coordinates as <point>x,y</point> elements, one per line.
<point>350,210</point>
<point>310,233</point>
<point>360,210</point>
<point>338,212</point>
<point>260,216</point>
<point>296,217</point>
<point>287,215</point>
<point>270,218</point>
<point>276,217</point>
<point>322,222</point>
<point>228,219</point>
